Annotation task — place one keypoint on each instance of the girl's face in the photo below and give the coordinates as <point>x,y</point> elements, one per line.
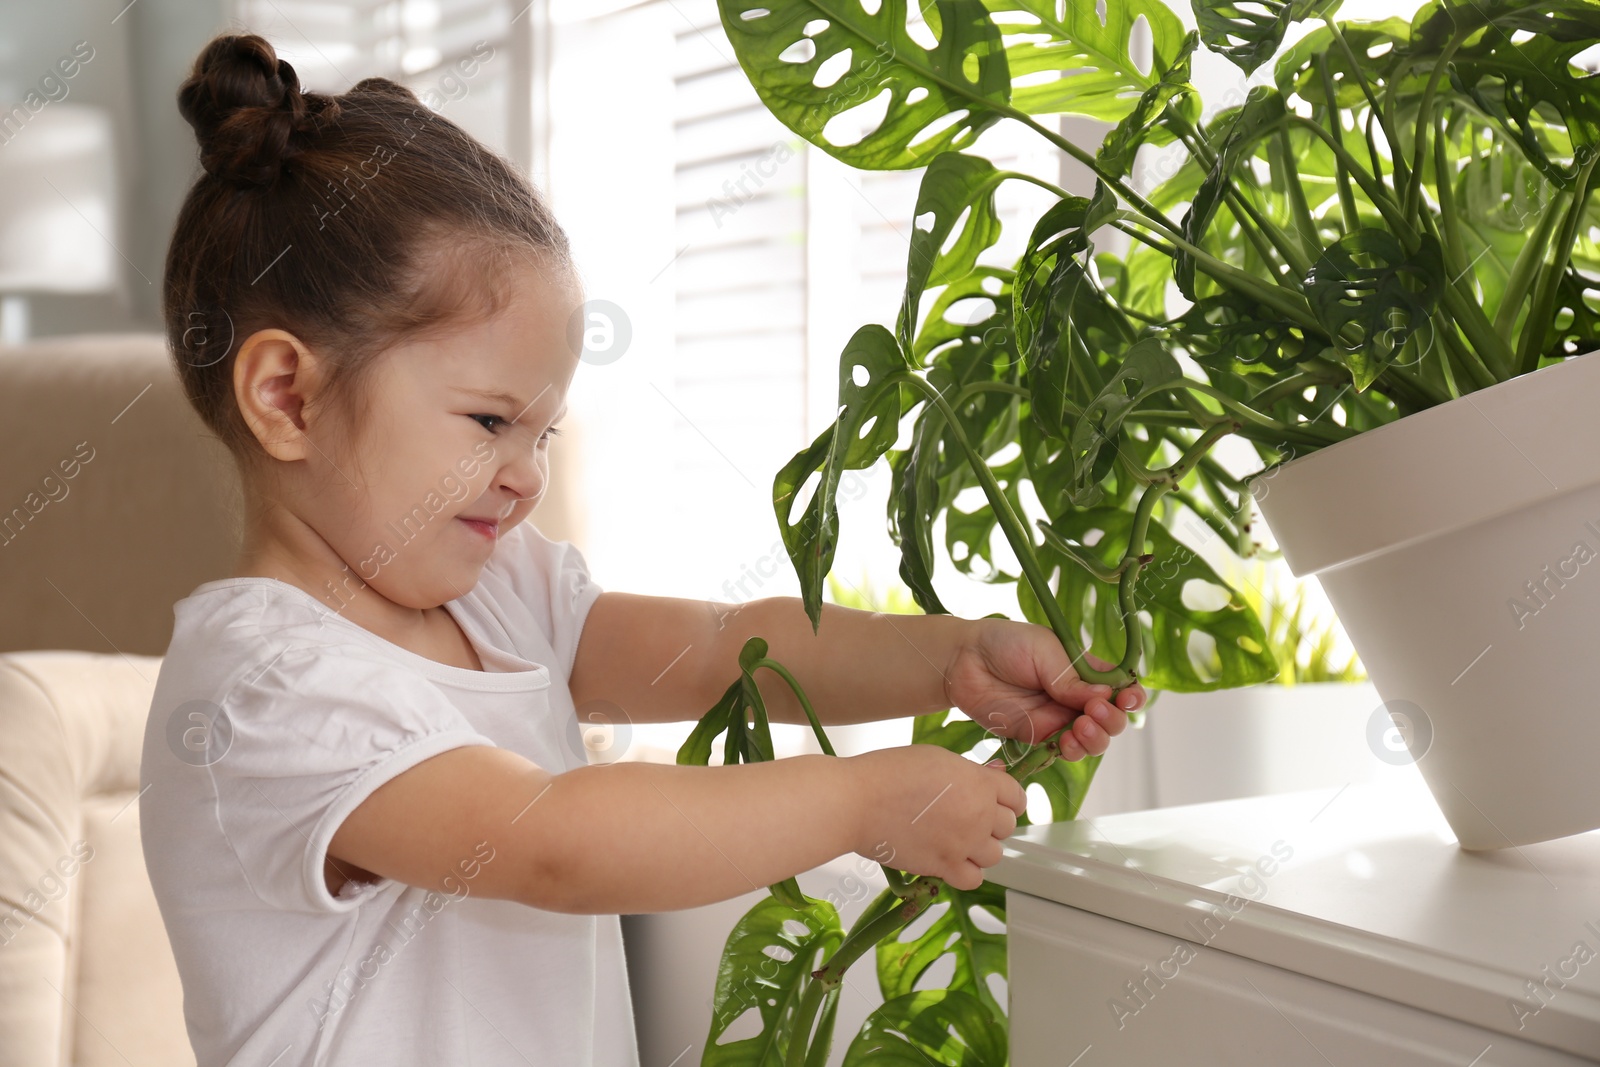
<point>454,452</point>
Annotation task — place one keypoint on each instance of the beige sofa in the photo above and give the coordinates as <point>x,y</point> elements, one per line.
<point>114,503</point>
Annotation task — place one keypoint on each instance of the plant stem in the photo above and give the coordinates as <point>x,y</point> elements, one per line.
<point>783,672</point>
<point>1135,557</point>
<point>1127,191</point>
<point>1537,326</point>
<point>1413,195</point>
<point>1282,156</point>
<point>866,935</point>
<point>1347,199</point>
<point>1017,535</point>
<point>1266,230</point>
<point>1526,268</point>
<point>1455,256</point>
<point>1372,100</point>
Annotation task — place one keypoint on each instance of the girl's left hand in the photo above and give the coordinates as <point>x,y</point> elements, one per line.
<point>1014,679</point>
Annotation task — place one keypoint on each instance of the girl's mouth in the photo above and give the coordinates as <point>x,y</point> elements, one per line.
<point>486,529</point>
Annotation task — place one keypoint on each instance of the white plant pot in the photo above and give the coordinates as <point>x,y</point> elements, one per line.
<point>1427,534</point>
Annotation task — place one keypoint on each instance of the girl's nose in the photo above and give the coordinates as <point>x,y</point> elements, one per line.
<point>523,475</point>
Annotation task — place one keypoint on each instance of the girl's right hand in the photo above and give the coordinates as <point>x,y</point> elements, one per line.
<point>927,810</point>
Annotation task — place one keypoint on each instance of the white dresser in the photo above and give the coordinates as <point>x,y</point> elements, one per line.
<point>1333,926</point>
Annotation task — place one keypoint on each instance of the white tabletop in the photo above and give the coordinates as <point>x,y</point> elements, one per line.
<point>1364,886</point>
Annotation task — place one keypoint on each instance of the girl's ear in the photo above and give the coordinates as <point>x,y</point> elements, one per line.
<point>275,378</point>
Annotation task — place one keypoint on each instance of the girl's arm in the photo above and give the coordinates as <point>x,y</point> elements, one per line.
<point>665,659</point>
<point>645,837</point>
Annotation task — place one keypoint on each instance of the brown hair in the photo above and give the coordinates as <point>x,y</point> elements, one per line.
<point>353,221</point>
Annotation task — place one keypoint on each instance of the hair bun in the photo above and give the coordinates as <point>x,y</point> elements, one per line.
<point>248,111</point>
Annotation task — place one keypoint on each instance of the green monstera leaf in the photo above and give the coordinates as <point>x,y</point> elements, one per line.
<point>940,98</point>
<point>867,426</point>
<point>1368,281</point>
<point>1249,32</point>
<point>1241,656</point>
<point>933,1026</point>
<point>1141,125</point>
<point>975,952</point>
<point>1534,92</point>
<point>953,187</point>
<point>964,358</point>
<point>1145,370</point>
<point>752,977</point>
<point>1101,77</point>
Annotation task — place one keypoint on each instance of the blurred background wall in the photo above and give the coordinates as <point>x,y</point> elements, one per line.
<point>139,53</point>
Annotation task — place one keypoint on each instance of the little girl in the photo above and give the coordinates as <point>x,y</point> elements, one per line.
<point>366,809</point>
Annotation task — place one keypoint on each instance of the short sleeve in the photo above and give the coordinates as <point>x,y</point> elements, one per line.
<point>550,578</point>
<point>311,736</point>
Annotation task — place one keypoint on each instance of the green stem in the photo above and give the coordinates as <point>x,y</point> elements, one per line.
<point>1127,191</point>
<point>1525,269</point>
<point>1242,410</point>
<point>1267,235</point>
<point>866,935</point>
<point>1284,301</point>
<point>804,1018</point>
<point>1282,156</point>
<point>1135,557</point>
<point>1093,566</point>
<point>1480,334</point>
<point>1413,197</point>
<point>1537,326</point>
<point>1018,537</point>
<point>1375,190</point>
<point>1463,356</point>
<point>1455,255</point>
<point>1347,199</point>
<point>1372,100</point>
<point>783,672</point>
<point>1293,385</point>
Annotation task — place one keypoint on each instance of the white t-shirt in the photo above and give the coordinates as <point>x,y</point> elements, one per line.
<point>273,718</point>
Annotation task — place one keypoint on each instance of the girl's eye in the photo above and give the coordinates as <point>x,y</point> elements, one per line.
<point>552,432</point>
<point>496,418</point>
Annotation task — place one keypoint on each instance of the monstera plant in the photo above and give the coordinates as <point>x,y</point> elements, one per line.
<point>1396,217</point>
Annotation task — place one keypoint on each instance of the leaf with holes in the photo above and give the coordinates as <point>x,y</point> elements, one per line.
<point>813,60</point>
<point>867,426</point>
<point>1367,281</point>
<point>953,186</point>
<point>931,1026</point>
<point>1066,784</point>
<point>1531,89</point>
<point>1262,107</point>
<point>766,961</point>
<point>975,952</point>
<point>1249,32</point>
<point>965,356</point>
<point>1062,319</point>
<point>1232,333</point>
<point>1576,329</point>
<point>1146,370</point>
<point>1240,657</point>
<point>1099,78</point>
<point>967,534</point>
<point>1137,126</point>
